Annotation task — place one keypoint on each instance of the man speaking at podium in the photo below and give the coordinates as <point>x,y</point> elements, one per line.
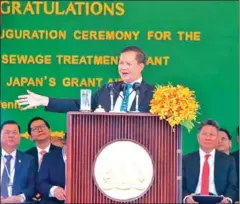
<point>133,94</point>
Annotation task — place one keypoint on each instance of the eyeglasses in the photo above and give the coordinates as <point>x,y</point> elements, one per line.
<point>35,129</point>
<point>223,139</point>
<point>8,132</point>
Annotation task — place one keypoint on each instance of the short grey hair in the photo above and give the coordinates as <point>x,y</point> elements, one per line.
<point>208,122</point>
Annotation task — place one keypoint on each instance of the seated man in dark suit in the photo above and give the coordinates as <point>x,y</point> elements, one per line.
<point>18,170</point>
<point>208,171</point>
<point>131,63</point>
<point>224,141</point>
<point>40,132</point>
<point>51,177</point>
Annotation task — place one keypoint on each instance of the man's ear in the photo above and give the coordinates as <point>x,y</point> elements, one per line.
<point>198,137</point>
<point>30,137</point>
<point>50,134</point>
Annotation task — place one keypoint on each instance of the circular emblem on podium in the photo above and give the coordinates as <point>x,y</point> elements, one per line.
<point>123,171</point>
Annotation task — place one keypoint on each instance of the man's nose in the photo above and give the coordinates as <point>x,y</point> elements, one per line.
<point>39,129</point>
<point>11,136</point>
<point>208,137</point>
<point>124,69</point>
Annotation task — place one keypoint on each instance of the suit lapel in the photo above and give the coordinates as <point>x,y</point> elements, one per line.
<point>196,168</point>
<point>51,147</point>
<point>115,95</point>
<point>35,152</point>
<point>18,168</point>
<point>142,94</point>
<point>217,167</point>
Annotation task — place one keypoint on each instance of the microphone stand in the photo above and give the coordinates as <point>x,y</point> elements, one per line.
<point>111,89</point>
<point>111,99</point>
<point>136,88</point>
<point>110,86</point>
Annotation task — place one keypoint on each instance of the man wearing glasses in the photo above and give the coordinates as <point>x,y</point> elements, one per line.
<point>224,141</point>
<point>39,131</point>
<point>18,170</point>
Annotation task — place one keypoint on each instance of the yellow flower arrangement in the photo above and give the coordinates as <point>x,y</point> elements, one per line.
<point>177,105</point>
<point>53,134</point>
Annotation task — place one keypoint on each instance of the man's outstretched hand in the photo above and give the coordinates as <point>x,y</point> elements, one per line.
<point>32,100</point>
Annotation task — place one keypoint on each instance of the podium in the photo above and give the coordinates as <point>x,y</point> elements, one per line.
<point>89,133</point>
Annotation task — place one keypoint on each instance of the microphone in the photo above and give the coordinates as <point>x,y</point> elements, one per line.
<point>111,89</point>
<point>136,87</point>
<point>110,86</point>
<point>123,88</point>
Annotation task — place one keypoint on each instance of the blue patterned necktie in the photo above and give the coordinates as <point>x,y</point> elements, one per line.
<point>124,104</point>
<point>5,177</point>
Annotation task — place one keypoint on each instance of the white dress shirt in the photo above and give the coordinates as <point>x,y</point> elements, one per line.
<point>12,164</point>
<point>211,159</point>
<point>12,170</point>
<point>119,100</point>
<point>39,154</point>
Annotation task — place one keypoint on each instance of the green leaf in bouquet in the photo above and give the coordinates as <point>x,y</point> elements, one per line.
<point>187,124</point>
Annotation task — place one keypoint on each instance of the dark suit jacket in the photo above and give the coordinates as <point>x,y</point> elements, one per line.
<point>33,152</point>
<point>51,173</point>
<point>225,177</point>
<point>25,176</point>
<point>102,97</point>
<point>236,157</point>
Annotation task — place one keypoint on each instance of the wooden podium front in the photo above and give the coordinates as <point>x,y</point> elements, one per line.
<point>88,133</point>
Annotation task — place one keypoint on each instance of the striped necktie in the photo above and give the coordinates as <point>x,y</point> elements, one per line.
<point>124,105</point>
<point>6,176</point>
